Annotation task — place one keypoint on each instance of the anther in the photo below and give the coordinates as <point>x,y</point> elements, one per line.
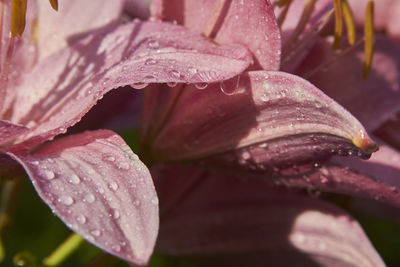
<point>54,4</point>
<point>369,38</point>
<point>349,20</point>
<point>337,4</point>
<point>18,11</point>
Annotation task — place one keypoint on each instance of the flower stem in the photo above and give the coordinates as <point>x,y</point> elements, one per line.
<point>64,250</point>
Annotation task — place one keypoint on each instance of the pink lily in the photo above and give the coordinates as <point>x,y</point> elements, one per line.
<point>50,79</point>
<point>265,124</point>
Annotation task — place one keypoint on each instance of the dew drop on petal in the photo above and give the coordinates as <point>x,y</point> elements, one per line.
<point>89,198</point>
<point>153,44</point>
<point>113,186</point>
<point>139,85</point>
<point>74,179</point>
<point>116,248</point>
<point>115,214</point>
<point>49,175</point>
<point>171,84</point>
<point>148,79</point>
<point>95,232</point>
<point>81,219</point>
<point>66,200</point>
<point>201,86</point>
<point>150,61</point>
<point>175,74</point>
<point>154,201</point>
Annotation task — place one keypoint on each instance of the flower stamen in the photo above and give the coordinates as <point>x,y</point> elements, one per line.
<point>337,4</point>
<point>18,11</point>
<point>369,38</point>
<point>215,20</point>
<point>305,16</point>
<point>54,4</point>
<point>350,24</point>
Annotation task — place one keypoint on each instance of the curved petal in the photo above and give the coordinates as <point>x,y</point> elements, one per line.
<point>138,8</point>
<point>376,178</point>
<point>390,131</point>
<point>372,101</point>
<point>251,24</point>
<point>74,17</point>
<point>248,223</point>
<point>266,108</point>
<point>100,189</point>
<point>60,90</point>
<point>10,131</point>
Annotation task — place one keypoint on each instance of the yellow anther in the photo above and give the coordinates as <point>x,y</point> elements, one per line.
<point>305,17</point>
<point>282,3</point>
<point>18,11</point>
<point>349,20</point>
<point>285,9</point>
<point>54,4</point>
<point>337,4</point>
<point>369,38</point>
<point>214,21</point>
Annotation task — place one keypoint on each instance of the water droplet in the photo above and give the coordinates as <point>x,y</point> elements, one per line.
<point>113,186</point>
<point>116,248</point>
<point>66,200</point>
<point>201,86</point>
<point>148,79</point>
<point>123,165</point>
<point>49,175</point>
<point>81,219</point>
<point>265,97</point>
<point>153,44</point>
<point>74,179</point>
<point>96,232</point>
<point>115,214</point>
<point>192,70</point>
<point>150,61</point>
<point>89,198</point>
<point>154,201</point>
<point>109,158</point>
<point>139,85</point>
<point>171,84</point>
<point>136,202</point>
<point>229,87</point>
<point>175,74</point>
<point>35,162</point>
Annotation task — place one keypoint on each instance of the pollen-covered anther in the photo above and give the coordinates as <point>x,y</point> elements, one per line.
<point>369,38</point>
<point>54,4</point>
<point>18,12</point>
<point>350,24</point>
<point>338,23</point>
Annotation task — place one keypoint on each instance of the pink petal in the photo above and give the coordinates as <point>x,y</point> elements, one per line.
<point>251,24</point>
<point>10,131</point>
<point>297,42</point>
<point>247,223</point>
<point>100,189</point>
<point>376,178</point>
<point>390,131</point>
<point>266,109</point>
<point>74,17</point>
<point>60,90</point>
<point>372,101</point>
<point>138,8</point>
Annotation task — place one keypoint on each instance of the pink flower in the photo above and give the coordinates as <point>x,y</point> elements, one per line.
<point>267,127</point>
<point>51,76</point>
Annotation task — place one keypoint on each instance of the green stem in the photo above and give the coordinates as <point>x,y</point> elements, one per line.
<point>64,250</point>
